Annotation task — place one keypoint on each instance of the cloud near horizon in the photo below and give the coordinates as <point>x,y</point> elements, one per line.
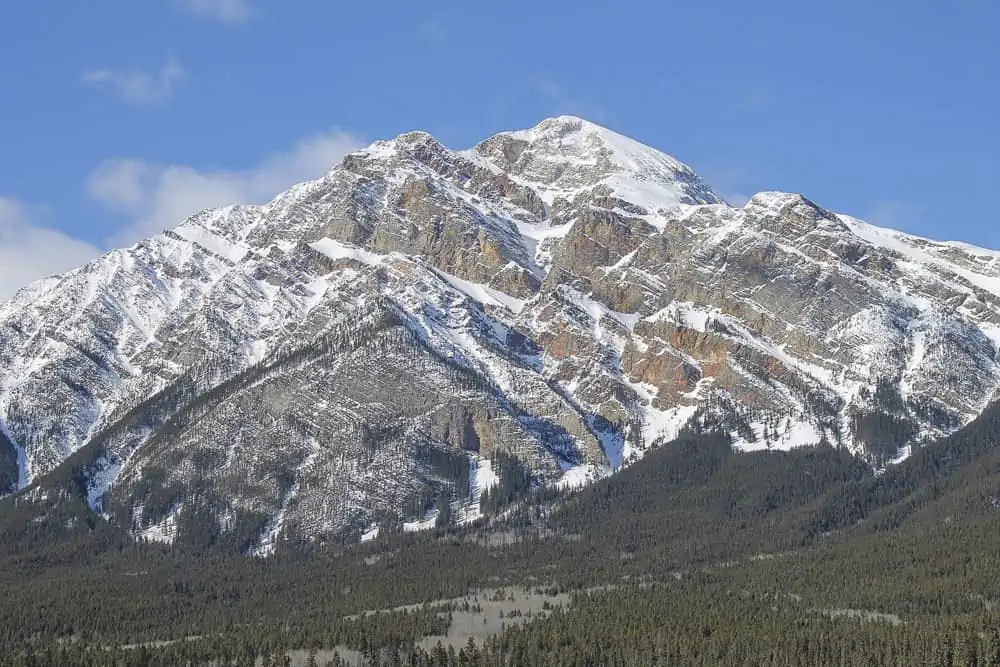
<point>150,198</point>
<point>29,250</point>
<point>156,197</point>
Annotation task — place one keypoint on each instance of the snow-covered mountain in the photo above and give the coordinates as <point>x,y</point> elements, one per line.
<point>356,353</point>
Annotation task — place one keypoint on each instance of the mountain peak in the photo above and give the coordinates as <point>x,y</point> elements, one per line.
<point>555,292</point>
<point>570,133</point>
<point>566,154</point>
<point>566,124</point>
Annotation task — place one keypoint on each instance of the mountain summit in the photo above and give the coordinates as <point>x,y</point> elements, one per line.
<point>376,348</point>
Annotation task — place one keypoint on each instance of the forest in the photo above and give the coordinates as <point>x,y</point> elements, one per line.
<point>695,554</point>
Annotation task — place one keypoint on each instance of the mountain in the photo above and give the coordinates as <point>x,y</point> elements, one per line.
<point>372,350</point>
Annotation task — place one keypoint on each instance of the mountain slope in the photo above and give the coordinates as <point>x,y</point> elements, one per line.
<point>355,351</point>
<point>693,521</point>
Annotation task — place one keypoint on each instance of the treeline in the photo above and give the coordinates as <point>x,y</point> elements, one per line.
<point>707,557</point>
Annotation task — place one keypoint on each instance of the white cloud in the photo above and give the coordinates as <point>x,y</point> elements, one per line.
<point>151,198</point>
<point>137,86</point>
<point>29,251</point>
<point>156,197</point>
<point>225,11</point>
<point>120,184</point>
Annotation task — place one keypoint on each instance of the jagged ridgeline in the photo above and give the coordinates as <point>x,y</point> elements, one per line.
<point>563,295</point>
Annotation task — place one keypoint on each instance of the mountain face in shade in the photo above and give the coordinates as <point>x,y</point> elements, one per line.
<point>361,352</point>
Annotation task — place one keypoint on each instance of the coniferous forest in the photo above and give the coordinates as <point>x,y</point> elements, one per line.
<point>695,555</point>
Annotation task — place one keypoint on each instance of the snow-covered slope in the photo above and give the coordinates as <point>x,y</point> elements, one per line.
<point>349,354</point>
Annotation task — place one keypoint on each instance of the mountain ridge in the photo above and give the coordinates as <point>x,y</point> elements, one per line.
<point>596,294</point>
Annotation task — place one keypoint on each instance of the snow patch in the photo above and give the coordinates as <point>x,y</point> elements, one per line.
<point>481,478</point>
<point>791,434</point>
<point>623,262</point>
<point>992,331</point>
<point>918,350</point>
<point>614,446</point>
<point>427,523</point>
<point>904,453</point>
<point>336,250</point>
<point>483,294</point>
<point>537,240</point>
<point>685,314</point>
<point>663,425</point>
<point>105,474</point>
<point>580,476</point>
<point>598,311</point>
<point>165,531</point>
<point>191,231</point>
<point>256,352</point>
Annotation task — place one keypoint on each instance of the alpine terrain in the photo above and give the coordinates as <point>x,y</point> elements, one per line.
<point>374,351</point>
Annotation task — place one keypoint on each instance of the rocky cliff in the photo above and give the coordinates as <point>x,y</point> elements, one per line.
<point>352,355</point>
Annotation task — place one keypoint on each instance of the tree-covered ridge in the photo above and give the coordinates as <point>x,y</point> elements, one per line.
<point>705,556</point>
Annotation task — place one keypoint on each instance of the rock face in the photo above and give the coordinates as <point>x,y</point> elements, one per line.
<point>354,352</point>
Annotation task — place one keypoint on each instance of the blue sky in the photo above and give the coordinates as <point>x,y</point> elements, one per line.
<point>120,118</point>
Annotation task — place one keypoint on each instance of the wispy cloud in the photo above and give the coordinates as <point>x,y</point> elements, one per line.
<point>155,197</point>
<point>29,251</point>
<point>139,87</point>
<point>151,198</point>
<point>224,11</point>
